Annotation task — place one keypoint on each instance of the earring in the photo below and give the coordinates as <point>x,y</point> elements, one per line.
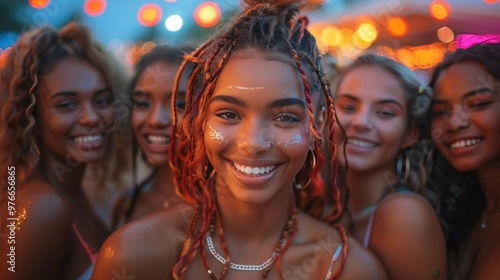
<point>299,186</point>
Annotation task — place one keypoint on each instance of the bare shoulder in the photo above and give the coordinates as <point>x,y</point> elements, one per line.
<point>325,246</point>
<point>361,263</point>
<point>43,217</point>
<point>146,248</point>
<point>408,211</point>
<point>408,238</point>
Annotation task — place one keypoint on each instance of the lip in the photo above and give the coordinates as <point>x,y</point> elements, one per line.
<point>358,148</point>
<point>253,180</point>
<point>94,145</point>
<point>157,147</point>
<point>469,147</point>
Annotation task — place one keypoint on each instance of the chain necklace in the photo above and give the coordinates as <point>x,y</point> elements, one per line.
<point>485,219</point>
<point>288,231</point>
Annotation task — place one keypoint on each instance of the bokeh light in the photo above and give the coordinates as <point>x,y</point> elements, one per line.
<point>94,8</point>
<point>445,34</point>
<point>397,26</point>
<point>440,9</point>
<point>207,14</point>
<point>149,14</point>
<point>173,23</point>
<point>39,4</point>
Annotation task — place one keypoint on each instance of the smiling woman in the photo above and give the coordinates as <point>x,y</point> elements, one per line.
<point>382,108</point>
<point>465,127</point>
<point>57,94</point>
<point>249,135</point>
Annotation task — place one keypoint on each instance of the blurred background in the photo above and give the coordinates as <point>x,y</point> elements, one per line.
<point>415,32</point>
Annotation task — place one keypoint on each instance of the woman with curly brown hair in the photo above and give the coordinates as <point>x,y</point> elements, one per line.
<point>249,136</point>
<point>57,93</point>
<point>465,127</point>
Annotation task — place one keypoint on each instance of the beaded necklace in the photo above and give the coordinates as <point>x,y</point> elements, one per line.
<point>288,230</point>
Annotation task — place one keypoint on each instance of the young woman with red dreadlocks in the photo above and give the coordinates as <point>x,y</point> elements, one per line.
<point>250,134</point>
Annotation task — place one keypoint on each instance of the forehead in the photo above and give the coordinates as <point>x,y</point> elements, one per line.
<point>72,74</point>
<point>371,83</point>
<point>258,75</point>
<point>463,77</point>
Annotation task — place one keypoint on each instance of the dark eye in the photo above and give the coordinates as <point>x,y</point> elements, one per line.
<point>103,101</point>
<point>386,114</point>
<point>141,104</point>
<point>287,118</point>
<point>181,105</point>
<point>227,115</point>
<point>474,105</point>
<point>440,113</point>
<point>67,105</point>
<point>348,107</point>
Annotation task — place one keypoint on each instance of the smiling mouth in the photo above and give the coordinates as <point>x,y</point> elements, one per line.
<point>88,139</point>
<point>254,171</point>
<point>465,143</point>
<point>361,143</point>
<point>158,139</point>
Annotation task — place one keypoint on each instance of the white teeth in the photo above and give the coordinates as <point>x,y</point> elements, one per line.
<point>88,139</point>
<point>156,139</point>
<point>361,143</point>
<point>254,170</point>
<point>465,143</point>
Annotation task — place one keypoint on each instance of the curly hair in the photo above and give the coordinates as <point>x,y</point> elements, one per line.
<point>33,55</point>
<point>462,200</point>
<point>418,100</point>
<point>274,29</point>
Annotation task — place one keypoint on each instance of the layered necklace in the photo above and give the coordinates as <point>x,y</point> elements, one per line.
<point>288,231</point>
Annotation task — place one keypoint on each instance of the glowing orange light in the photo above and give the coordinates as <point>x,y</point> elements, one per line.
<point>149,14</point>
<point>490,1</point>
<point>39,4</point>
<point>207,14</point>
<point>397,26</point>
<point>440,9</point>
<point>94,8</point>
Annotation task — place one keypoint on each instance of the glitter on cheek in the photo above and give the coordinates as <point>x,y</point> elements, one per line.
<point>297,139</point>
<point>215,135</point>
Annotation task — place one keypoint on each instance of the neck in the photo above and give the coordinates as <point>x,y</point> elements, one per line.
<point>247,223</point>
<point>366,188</point>
<point>163,181</point>
<point>488,177</point>
<point>65,175</point>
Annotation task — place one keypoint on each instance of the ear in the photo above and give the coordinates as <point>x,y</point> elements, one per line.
<point>411,138</point>
<point>320,119</point>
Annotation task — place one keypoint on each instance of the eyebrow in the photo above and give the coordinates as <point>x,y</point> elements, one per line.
<point>467,94</point>
<point>380,101</point>
<point>140,93</point>
<point>275,104</point>
<point>74,93</point>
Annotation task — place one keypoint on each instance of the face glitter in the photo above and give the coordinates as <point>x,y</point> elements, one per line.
<point>245,88</point>
<point>297,139</point>
<point>215,135</point>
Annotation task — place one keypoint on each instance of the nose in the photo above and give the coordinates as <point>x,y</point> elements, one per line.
<point>88,115</point>
<point>361,121</point>
<point>254,137</point>
<point>160,116</point>
<point>458,119</point>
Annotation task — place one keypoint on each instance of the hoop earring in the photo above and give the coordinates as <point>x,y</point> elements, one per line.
<point>299,186</point>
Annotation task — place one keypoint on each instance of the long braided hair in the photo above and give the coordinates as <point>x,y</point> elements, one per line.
<point>274,29</point>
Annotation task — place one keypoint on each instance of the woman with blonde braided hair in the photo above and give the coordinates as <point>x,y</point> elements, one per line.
<point>58,124</point>
<point>248,137</point>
